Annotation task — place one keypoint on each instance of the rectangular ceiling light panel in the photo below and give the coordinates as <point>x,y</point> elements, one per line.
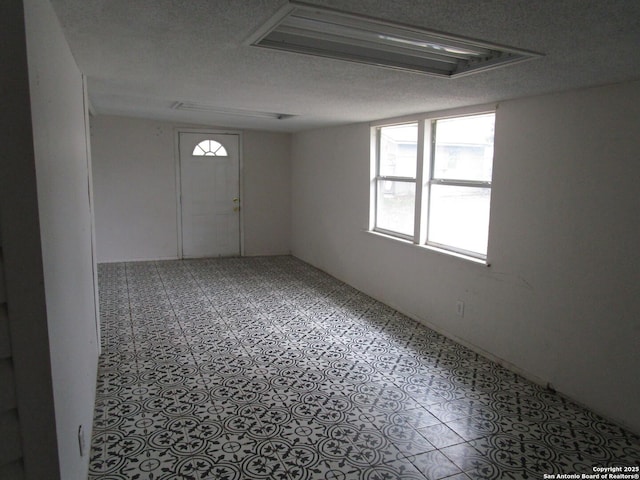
<point>304,28</point>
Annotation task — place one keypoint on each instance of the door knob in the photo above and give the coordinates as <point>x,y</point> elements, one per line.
<point>236,200</point>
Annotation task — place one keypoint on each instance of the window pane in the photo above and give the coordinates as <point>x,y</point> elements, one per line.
<point>209,148</point>
<point>459,217</point>
<point>464,148</point>
<point>398,150</point>
<point>396,205</point>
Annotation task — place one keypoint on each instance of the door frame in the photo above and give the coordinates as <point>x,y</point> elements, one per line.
<point>176,149</point>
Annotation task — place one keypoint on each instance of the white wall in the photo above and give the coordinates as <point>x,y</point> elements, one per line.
<point>560,301</point>
<point>134,171</point>
<point>62,173</point>
<point>266,199</point>
<point>28,445</point>
<point>134,188</point>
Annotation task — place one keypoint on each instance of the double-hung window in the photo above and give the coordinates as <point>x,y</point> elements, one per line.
<point>433,182</point>
<point>396,170</point>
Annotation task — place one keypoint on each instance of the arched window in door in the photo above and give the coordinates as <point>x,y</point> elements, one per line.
<point>209,148</point>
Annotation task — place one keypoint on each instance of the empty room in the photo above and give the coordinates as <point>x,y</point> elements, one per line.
<point>323,240</point>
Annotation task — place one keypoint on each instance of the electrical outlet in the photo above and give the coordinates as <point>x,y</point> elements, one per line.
<point>460,308</point>
<point>81,441</point>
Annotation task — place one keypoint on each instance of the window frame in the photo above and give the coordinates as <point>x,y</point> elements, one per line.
<point>392,178</point>
<point>425,180</point>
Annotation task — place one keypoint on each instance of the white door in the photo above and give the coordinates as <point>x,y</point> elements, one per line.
<point>210,194</point>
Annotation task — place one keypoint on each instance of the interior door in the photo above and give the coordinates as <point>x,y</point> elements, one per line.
<point>210,194</point>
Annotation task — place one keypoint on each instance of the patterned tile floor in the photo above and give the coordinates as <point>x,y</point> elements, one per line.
<point>266,368</point>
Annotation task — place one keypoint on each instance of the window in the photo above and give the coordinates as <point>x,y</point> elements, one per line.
<point>396,179</point>
<point>209,148</point>
<point>434,187</point>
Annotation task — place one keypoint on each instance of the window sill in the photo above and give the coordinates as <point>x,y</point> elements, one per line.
<point>442,251</point>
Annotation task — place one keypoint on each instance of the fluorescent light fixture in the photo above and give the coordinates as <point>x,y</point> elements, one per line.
<point>200,107</point>
<point>304,28</point>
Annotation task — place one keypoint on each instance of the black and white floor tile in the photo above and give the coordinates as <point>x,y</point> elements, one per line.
<point>266,368</point>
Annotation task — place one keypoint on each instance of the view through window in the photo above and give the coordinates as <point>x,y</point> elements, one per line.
<point>396,179</point>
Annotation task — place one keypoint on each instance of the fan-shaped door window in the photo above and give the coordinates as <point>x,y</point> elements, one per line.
<point>209,148</point>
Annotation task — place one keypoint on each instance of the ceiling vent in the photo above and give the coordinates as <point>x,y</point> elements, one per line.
<point>303,28</point>
<point>211,109</point>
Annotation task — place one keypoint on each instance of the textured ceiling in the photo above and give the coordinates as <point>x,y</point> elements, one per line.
<point>142,56</point>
